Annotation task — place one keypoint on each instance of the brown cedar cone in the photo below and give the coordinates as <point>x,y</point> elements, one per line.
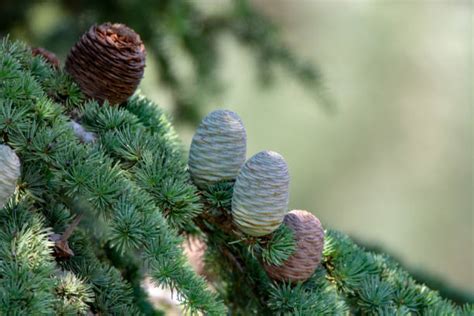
<point>309,235</point>
<point>108,62</point>
<point>50,57</point>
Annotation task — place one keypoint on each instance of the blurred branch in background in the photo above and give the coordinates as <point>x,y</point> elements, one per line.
<point>172,30</point>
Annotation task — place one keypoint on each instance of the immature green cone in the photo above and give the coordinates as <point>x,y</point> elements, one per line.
<point>108,62</point>
<point>9,173</point>
<point>218,148</point>
<point>309,236</point>
<point>261,193</point>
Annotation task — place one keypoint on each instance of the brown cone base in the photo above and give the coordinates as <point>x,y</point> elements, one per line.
<point>309,235</point>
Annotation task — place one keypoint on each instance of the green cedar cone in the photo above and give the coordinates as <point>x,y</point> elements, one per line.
<point>218,148</point>
<point>261,194</point>
<point>9,173</point>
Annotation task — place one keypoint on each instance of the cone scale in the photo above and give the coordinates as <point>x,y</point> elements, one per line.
<point>48,56</point>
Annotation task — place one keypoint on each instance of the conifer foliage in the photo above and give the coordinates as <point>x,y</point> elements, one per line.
<point>87,219</point>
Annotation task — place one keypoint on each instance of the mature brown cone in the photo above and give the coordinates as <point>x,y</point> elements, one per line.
<point>49,56</point>
<point>309,235</point>
<point>108,62</point>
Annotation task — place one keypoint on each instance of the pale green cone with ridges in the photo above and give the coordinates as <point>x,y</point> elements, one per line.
<point>261,194</point>
<point>218,148</point>
<point>9,173</point>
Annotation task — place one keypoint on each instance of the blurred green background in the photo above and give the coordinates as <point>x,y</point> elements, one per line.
<point>390,162</point>
<point>394,165</point>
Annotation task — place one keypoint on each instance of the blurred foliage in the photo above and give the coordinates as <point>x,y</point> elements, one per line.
<point>422,276</point>
<point>172,31</point>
